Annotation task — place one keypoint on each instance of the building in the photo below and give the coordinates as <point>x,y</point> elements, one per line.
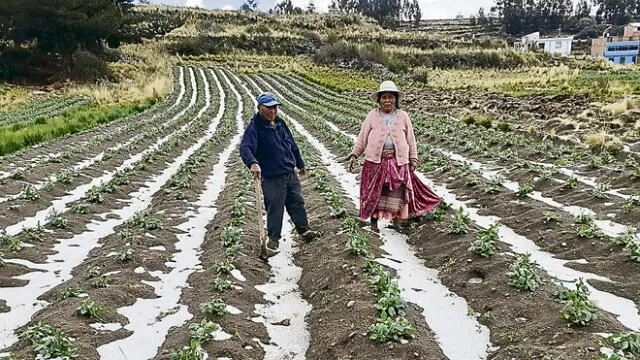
<point>622,52</point>
<point>619,49</point>
<point>559,46</point>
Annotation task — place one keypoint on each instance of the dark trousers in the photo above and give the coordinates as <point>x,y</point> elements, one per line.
<point>282,192</point>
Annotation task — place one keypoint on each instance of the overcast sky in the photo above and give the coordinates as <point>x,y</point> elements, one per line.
<point>431,9</point>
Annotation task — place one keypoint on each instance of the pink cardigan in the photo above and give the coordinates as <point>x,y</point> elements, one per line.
<point>374,132</point>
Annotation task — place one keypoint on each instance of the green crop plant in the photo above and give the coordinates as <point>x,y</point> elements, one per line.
<point>551,217</point>
<point>34,233</point>
<point>484,244</point>
<point>578,308</point>
<point>589,231</point>
<point>14,244</point>
<point>600,191</point>
<point>494,185</point>
<point>585,219</point>
<point>627,341</point>
<point>89,308</point>
<point>231,235</point>
<point>438,213</point>
<point>192,352</point>
<point>357,243</point>
<point>101,282</point>
<point>233,250</point>
<point>215,307</point>
<point>145,220</point>
<point>572,183</point>
<point>70,291</point>
<point>391,303</point>
<point>125,233</point>
<point>618,356</point>
<point>203,331</point>
<point>50,342</point>
<point>120,178</point>
<point>523,275</point>
<point>223,267</point>
<point>57,219</point>
<point>634,251</point>
<point>239,209</point>
<point>125,254</point>
<point>80,208</point>
<point>525,189</point>
<point>65,176</point>
<point>93,272</point>
<point>221,285</point>
<point>29,192</point>
<point>460,223</point>
<point>627,237</point>
<point>94,195</point>
<point>387,329</point>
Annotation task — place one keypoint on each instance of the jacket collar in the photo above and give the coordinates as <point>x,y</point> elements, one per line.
<point>261,121</point>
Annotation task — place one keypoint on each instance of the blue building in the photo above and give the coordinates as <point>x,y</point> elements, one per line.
<point>622,52</point>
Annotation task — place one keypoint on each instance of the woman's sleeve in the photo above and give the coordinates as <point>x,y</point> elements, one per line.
<point>411,140</point>
<point>361,140</point>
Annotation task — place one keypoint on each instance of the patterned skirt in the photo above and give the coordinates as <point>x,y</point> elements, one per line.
<point>389,190</point>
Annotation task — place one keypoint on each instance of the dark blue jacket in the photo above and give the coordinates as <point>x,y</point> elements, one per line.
<point>272,147</point>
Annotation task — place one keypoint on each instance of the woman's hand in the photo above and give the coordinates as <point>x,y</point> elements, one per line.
<point>413,164</point>
<point>352,164</point>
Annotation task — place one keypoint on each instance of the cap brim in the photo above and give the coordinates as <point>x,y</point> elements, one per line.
<point>271,103</point>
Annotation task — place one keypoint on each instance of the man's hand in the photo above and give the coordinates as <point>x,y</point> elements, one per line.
<point>302,171</point>
<point>255,170</point>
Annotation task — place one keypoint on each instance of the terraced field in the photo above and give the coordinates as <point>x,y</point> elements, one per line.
<point>138,240</point>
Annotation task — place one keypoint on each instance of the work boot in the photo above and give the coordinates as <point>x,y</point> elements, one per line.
<point>309,235</point>
<point>274,242</point>
<point>266,253</point>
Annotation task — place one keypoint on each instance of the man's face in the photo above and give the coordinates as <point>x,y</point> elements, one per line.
<point>268,112</point>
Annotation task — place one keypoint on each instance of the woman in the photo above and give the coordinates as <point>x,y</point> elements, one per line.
<point>388,187</point>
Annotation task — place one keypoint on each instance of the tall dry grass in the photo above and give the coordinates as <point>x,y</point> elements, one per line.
<point>147,78</point>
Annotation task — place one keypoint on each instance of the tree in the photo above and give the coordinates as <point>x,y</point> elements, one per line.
<point>249,5</point>
<point>62,26</point>
<point>284,7</point>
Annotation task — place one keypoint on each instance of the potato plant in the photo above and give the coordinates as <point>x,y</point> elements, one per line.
<point>626,341</point>
<point>214,308</point>
<point>57,219</point>
<point>192,352</point>
<point>484,244</point>
<point>89,308</point>
<point>460,223</point>
<point>50,342</point>
<point>202,331</point>
<point>223,267</point>
<point>578,308</point>
<point>387,329</point>
<point>221,285</point>
<point>523,275</point>
<point>70,291</point>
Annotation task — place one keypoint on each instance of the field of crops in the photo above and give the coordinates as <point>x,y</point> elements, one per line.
<point>137,240</point>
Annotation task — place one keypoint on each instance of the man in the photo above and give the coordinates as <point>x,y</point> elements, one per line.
<point>269,150</point>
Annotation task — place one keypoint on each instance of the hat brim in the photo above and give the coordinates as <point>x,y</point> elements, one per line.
<point>374,96</point>
<point>271,103</point>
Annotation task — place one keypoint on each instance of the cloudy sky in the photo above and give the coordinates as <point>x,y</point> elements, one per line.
<point>431,9</point>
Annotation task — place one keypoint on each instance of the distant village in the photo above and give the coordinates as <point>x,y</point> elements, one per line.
<point>621,50</point>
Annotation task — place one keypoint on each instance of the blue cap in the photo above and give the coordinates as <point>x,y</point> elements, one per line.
<point>267,99</point>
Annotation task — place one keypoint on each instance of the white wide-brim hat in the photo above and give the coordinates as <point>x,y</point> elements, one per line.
<point>386,86</point>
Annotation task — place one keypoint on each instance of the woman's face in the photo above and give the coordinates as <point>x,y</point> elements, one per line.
<point>387,102</point>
